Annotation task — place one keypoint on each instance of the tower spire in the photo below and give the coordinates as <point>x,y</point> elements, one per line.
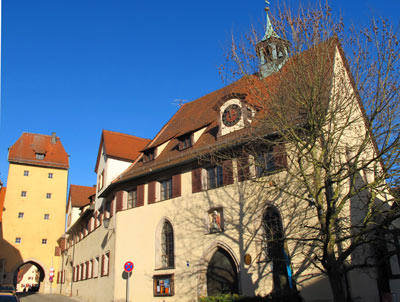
<point>272,50</point>
<point>269,31</point>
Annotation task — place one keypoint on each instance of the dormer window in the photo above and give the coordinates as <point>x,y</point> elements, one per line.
<point>39,155</point>
<point>185,141</point>
<point>149,155</point>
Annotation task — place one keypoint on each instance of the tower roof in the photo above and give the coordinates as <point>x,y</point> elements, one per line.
<point>39,150</point>
<point>269,31</point>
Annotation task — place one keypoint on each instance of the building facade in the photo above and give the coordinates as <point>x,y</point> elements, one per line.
<point>34,214</point>
<point>196,212</point>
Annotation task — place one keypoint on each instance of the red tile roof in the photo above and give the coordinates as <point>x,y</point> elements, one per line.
<point>120,146</point>
<point>2,198</point>
<point>79,195</point>
<point>204,112</point>
<point>29,144</point>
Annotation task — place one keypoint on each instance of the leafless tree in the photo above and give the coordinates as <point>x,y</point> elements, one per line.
<point>333,111</point>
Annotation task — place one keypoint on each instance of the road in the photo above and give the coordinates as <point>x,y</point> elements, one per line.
<point>36,297</point>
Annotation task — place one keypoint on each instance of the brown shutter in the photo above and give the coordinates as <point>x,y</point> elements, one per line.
<point>279,152</point>
<point>102,265</point>
<point>140,195</point>
<point>152,192</point>
<point>196,180</point>
<point>57,251</point>
<point>243,168</point>
<point>95,219</point>
<point>120,201</point>
<point>227,172</point>
<point>87,270</point>
<point>176,185</point>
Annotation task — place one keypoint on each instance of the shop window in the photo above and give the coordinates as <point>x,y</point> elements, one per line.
<point>163,285</point>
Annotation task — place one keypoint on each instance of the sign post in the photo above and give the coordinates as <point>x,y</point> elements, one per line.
<point>128,268</point>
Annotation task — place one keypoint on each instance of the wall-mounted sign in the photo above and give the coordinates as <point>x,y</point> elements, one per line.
<point>247,259</point>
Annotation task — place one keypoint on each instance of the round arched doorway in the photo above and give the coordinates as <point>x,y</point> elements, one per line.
<point>222,275</point>
<point>28,276</point>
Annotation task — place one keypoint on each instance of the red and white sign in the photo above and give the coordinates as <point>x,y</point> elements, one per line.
<point>128,266</point>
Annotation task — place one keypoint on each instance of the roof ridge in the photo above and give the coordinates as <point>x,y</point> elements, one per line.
<point>126,134</point>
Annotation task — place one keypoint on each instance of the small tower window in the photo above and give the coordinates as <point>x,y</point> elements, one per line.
<point>18,240</point>
<point>185,141</point>
<point>149,155</point>
<point>21,215</point>
<point>26,173</point>
<point>39,155</point>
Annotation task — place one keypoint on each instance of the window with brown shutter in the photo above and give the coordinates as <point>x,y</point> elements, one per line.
<point>102,265</point>
<point>196,180</point>
<point>152,192</point>
<point>280,156</point>
<point>227,171</point>
<point>166,189</point>
<point>140,195</point>
<point>176,185</point>
<point>243,168</point>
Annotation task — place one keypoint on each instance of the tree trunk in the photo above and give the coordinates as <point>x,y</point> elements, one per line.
<point>336,281</point>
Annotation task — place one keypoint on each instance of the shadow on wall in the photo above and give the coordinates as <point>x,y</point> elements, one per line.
<point>9,258</point>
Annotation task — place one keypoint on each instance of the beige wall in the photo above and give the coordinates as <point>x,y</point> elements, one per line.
<point>32,228</point>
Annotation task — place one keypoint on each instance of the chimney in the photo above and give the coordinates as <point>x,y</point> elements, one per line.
<point>53,138</point>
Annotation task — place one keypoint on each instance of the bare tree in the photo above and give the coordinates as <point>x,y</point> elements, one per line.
<point>328,104</point>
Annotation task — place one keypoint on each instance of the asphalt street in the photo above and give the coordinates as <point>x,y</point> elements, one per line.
<point>37,297</point>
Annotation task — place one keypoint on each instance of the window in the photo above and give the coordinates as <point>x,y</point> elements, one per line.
<point>90,269</point>
<point>23,193</point>
<point>108,209</point>
<point>39,155</point>
<point>44,241</point>
<point>166,189</point>
<point>163,285</point>
<point>264,163</point>
<point>46,216</point>
<point>270,160</point>
<point>21,215</point>
<point>96,267</point>
<point>48,195</point>
<point>105,264</point>
<point>101,181</point>
<point>214,177</point>
<point>18,240</point>
<point>26,173</point>
<point>185,141</point>
<point>50,175</point>
<point>167,245</point>
<point>132,199</point>
<point>149,155</point>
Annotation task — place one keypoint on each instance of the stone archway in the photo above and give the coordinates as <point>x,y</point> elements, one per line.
<point>36,279</point>
<point>222,274</point>
<point>206,259</point>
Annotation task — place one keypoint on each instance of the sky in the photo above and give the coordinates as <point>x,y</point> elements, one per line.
<point>76,67</point>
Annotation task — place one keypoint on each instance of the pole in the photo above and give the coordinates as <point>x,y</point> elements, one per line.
<point>127,288</point>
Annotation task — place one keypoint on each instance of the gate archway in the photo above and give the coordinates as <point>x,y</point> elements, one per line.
<point>36,276</point>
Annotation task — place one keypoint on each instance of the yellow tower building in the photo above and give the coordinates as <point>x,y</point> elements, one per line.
<point>34,207</point>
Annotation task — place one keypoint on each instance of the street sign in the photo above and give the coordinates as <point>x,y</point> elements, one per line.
<point>128,266</point>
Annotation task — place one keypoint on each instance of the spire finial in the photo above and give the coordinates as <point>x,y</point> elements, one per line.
<point>269,32</point>
<point>267,7</point>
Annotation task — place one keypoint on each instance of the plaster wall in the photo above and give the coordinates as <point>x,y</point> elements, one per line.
<point>32,228</point>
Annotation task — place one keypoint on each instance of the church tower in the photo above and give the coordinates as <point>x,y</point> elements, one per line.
<point>272,50</point>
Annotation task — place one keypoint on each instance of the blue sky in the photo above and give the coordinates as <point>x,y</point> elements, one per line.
<point>76,67</point>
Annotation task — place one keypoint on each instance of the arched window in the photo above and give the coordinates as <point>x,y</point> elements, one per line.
<point>275,250</point>
<point>222,276</point>
<point>167,245</point>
